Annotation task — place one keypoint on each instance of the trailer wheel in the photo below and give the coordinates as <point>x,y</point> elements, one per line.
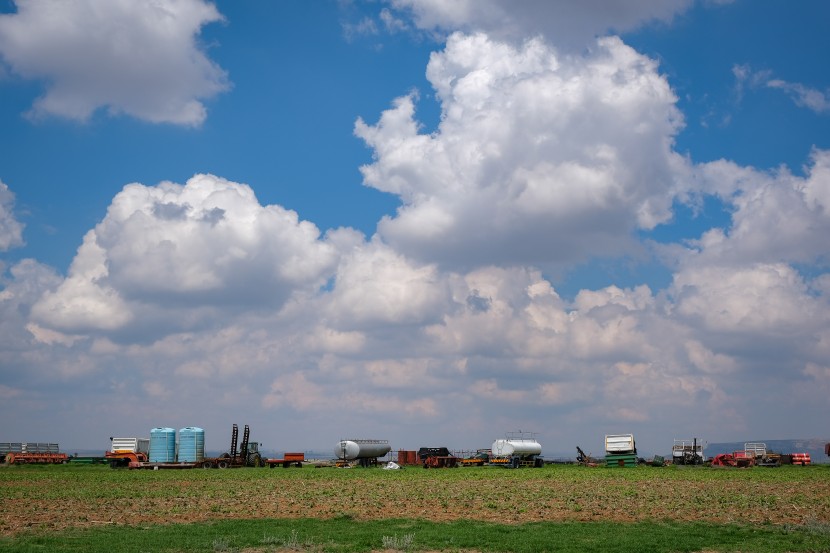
<point>207,465</point>
<point>223,464</point>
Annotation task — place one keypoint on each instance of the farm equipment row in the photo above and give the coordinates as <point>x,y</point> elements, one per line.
<point>135,453</point>
<point>755,454</point>
<point>517,450</point>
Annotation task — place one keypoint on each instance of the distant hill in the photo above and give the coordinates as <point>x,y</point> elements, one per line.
<point>813,446</point>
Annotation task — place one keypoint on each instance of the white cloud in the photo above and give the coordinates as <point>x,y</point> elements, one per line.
<point>539,158</point>
<point>27,280</point>
<point>802,95</point>
<point>760,299</point>
<point>776,216</point>
<point>392,23</point>
<point>193,249</point>
<point>11,230</point>
<point>375,285</point>
<point>296,391</point>
<point>135,57</point>
<point>570,23</point>
<point>365,27</point>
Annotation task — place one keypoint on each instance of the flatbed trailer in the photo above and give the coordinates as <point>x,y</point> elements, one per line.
<point>159,466</point>
<point>288,460</point>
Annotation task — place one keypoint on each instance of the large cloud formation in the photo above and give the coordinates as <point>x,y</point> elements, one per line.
<point>538,158</point>
<point>136,57</point>
<point>194,249</point>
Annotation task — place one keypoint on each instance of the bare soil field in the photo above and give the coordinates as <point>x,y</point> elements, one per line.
<point>51,498</point>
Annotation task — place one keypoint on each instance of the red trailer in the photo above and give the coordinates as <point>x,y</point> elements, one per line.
<point>289,459</point>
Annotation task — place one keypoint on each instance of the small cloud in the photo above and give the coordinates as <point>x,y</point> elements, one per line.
<point>393,24</point>
<point>805,97</point>
<point>11,230</point>
<point>51,337</point>
<point>364,27</point>
<point>7,392</point>
<point>157,389</point>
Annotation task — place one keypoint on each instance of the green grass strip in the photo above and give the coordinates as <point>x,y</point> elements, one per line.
<point>346,535</point>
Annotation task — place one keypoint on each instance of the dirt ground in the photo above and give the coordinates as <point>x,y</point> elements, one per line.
<point>50,505</point>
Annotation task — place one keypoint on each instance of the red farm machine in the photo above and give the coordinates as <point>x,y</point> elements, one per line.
<point>126,452</point>
<point>22,453</point>
<point>753,454</point>
<point>437,457</point>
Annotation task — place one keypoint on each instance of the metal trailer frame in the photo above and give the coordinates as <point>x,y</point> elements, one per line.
<point>687,452</point>
<point>755,450</point>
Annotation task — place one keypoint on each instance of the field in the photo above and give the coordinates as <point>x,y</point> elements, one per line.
<point>787,508</point>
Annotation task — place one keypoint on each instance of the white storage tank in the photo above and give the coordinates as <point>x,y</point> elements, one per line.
<point>516,446</point>
<point>361,449</point>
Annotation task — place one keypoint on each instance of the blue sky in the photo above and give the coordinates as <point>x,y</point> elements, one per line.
<point>395,213</point>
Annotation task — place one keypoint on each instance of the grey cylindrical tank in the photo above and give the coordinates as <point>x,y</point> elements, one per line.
<point>506,448</point>
<point>361,449</point>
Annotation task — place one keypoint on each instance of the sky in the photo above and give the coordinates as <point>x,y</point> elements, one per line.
<point>424,221</point>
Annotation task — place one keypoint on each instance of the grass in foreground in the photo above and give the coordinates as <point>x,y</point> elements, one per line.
<point>344,534</point>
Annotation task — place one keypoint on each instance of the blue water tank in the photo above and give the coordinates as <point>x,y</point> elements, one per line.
<point>191,444</point>
<point>162,445</point>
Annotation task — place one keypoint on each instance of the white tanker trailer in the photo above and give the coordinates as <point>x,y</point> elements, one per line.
<point>365,452</point>
<point>517,450</point>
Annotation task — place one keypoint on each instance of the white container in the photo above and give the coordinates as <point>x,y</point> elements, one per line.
<point>619,443</point>
<point>131,445</point>
<point>510,447</point>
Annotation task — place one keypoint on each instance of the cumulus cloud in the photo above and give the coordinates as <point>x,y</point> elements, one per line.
<point>754,289</point>
<point>196,246</point>
<point>539,158</point>
<point>140,58</point>
<point>570,23</point>
<point>11,230</point>
<point>375,285</point>
<point>776,215</point>
<point>758,299</point>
